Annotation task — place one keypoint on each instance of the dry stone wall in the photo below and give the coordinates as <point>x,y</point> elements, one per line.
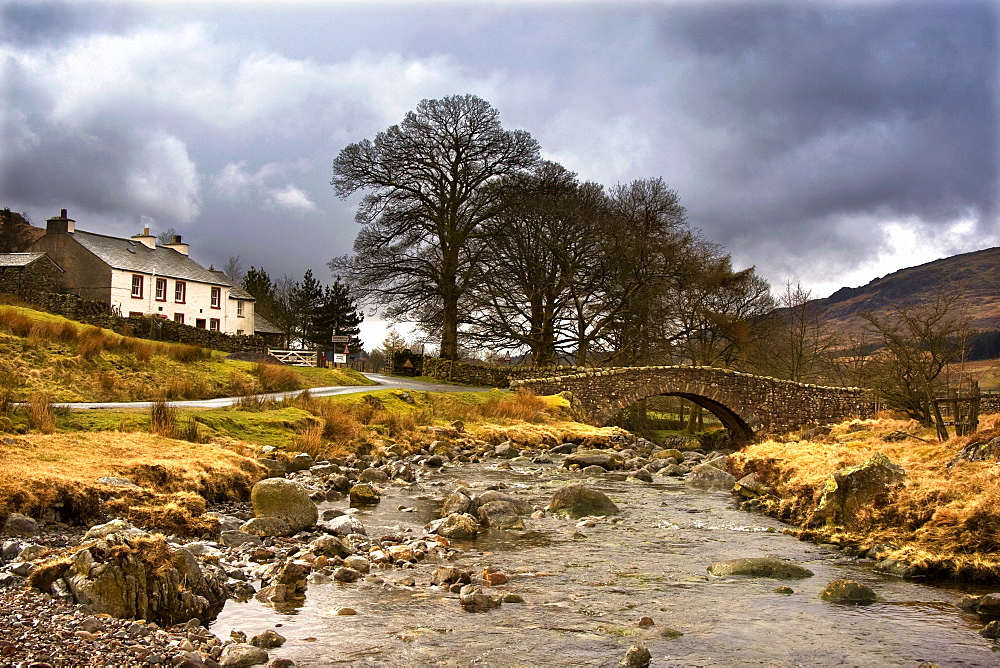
<point>484,376</point>
<point>746,404</point>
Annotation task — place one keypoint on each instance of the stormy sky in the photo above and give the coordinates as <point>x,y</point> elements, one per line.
<point>828,143</point>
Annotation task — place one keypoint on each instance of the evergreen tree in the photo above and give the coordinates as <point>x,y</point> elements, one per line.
<point>339,315</point>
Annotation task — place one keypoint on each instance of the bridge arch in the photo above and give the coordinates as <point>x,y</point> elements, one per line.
<point>747,405</point>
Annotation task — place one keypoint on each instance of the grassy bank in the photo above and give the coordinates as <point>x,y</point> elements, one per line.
<point>942,521</point>
<point>64,360</point>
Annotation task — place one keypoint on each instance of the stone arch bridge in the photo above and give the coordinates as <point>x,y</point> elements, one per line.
<point>747,405</point>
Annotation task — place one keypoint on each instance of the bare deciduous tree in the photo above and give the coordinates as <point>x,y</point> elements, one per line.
<point>429,198</point>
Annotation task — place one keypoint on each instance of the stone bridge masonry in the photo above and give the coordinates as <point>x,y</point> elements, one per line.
<point>746,404</point>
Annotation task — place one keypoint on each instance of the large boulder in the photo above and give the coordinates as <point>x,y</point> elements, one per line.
<point>851,490</point>
<point>286,500</point>
<point>761,567</point>
<point>138,577</point>
<point>580,501</point>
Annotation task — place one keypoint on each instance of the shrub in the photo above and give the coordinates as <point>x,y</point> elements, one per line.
<point>523,406</point>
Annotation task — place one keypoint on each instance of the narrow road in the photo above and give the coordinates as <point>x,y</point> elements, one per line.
<point>383,383</point>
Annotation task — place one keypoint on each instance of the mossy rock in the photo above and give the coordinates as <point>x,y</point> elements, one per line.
<point>761,567</point>
<point>848,592</point>
<point>579,501</point>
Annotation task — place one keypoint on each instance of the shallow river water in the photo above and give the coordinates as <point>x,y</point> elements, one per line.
<point>586,587</point>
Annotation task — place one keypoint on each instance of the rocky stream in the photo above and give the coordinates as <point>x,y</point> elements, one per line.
<point>392,583</point>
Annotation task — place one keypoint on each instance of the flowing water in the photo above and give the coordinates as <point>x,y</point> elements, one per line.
<point>586,587</point>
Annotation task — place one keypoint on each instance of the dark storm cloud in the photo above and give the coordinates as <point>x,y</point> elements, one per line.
<point>797,133</point>
<point>842,110</point>
<point>33,22</point>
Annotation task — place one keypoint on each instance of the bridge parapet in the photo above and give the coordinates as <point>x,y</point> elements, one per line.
<point>746,404</point>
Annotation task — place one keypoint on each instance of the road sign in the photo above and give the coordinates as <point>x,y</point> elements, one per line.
<point>340,339</point>
<point>339,358</point>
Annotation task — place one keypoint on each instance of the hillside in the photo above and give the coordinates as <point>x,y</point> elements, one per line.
<point>975,277</point>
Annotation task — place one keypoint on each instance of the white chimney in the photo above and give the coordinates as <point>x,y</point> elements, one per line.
<point>175,243</point>
<point>146,239</point>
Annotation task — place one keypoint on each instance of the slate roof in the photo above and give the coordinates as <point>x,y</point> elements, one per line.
<point>128,255</point>
<point>262,325</point>
<point>236,292</point>
<point>19,259</point>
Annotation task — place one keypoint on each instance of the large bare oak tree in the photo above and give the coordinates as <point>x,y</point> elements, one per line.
<point>429,185</point>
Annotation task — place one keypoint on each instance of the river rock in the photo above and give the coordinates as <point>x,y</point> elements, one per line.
<point>330,546</point>
<point>707,476</point>
<point>672,453</point>
<point>499,515</point>
<point>364,494</point>
<point>641,474</point>
<point>848,592</point>
<point>506,450</point>
<point>579,501</point>
<point>275,469</point>
<point>447,575</point>
<point>455,526</point>
<point>112,527</point>
<point>761,567</point>
<point>267,526</point>
<point>344,574</point>
<point>20,525</point>
<point>241,655</point>
<point>140,577</point>
<point>269,639</point>
<point>459,501</point>
<point>750,487</point>
<point>286,500</point>
<point>238,538</point>
<point>300,462</point>
<point>988,606</point>
<point>521,506</point>
<point>637,656</point>
<point>584,458</point>
<point>343,525</point>
<point>674,470</point>
<point>373,475</point>
<point>357,563</point>
<point>853,489</point>
<point>473,599</point>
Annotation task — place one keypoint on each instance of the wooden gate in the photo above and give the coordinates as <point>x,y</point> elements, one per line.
<point>295,357</point>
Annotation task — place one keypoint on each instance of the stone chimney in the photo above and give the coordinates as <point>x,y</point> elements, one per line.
<point>175,243</point>
<point>60,224</point>
<point>146,239</point>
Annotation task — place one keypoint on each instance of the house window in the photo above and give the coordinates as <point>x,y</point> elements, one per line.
<point>135,314</point>
<point>136,286</point>
<point>180,291</point>
<point>199,323</point>
<point>161,289</point>
<point>213,324</point>
<point>179,317</point>
<point>216,297</point>
<point>239,309</point>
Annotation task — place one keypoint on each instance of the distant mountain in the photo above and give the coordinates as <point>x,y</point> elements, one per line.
<point>975,277</point>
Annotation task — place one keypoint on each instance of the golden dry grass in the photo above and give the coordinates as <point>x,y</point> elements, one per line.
<point>59,471</point>
<point>943,519</point>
